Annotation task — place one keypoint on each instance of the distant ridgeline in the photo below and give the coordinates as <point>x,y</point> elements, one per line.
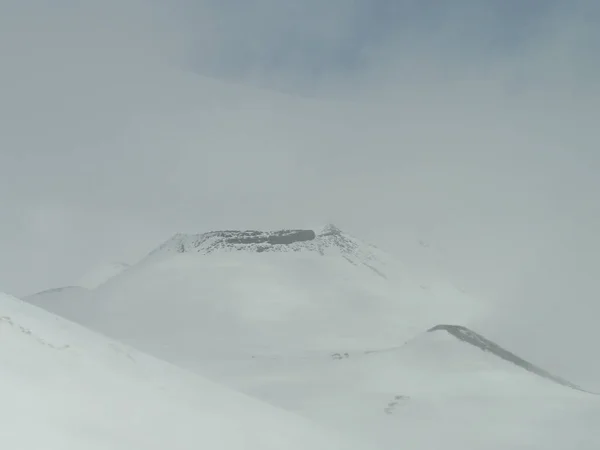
<point>470,337</point>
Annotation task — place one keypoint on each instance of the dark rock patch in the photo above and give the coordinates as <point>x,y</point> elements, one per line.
<point>284,237</point>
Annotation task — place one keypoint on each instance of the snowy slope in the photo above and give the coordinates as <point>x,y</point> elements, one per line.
<point>300,321</point>
<point>101,274</point>
<point>59,299</point>
<point>63,387</point>
<point>435,391</point>
<point>232,293</point>
<point>79,290</point>
<point>476,340</point>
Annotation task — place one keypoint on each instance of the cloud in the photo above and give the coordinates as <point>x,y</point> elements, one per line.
<point>73,75</point>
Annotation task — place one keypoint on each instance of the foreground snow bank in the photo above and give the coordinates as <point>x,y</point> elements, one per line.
<point>64,387</point>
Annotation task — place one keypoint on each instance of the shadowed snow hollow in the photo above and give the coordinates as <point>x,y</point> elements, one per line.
<point>241,293</point>
<point>64,387</point>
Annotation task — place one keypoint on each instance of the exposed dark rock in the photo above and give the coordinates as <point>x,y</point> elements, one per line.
<point>284,237</point>
<point>470,337</point>
<point>327,240</point>
<point>291,237</point>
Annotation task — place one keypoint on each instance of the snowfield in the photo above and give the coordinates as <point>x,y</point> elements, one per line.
<point>204,296</point>
<point>63,387</point>
<point>432,392</point>
<point>327,327</point>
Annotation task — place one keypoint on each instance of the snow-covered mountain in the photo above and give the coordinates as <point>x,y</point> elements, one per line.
<point>64,387</point>
<point>438,390</point>
<point>66,295</point>
<point>252,293</point>
<point>476,340</point>
<point>323,325</point>
<point>326,241</point>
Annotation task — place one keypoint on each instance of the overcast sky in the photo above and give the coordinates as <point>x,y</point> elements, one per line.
<point>471,123</point>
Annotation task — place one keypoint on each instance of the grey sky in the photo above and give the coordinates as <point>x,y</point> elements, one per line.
<point>472,123</point>
<point>311,39</point>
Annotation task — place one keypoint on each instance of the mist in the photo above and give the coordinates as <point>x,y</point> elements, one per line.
<point>470,125</point>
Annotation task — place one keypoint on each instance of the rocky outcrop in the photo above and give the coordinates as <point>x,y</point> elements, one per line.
<point>283,237</point>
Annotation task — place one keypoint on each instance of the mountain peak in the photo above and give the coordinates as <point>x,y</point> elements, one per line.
<point>328,240</point>
<point>330,229</point>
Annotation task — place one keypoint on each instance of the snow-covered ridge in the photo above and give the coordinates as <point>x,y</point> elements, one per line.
<point>475,339</point>
<point>455,348</point>
<point>88,282</point>
<point>328,240</point>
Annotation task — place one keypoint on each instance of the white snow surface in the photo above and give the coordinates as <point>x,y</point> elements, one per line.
<point>101,274</point>
<point>432,392</point>
<point>216,299</point>
<point>59,298</point>
<point>68,294</point>
<point>64,387</point>
<point>319,333</point>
